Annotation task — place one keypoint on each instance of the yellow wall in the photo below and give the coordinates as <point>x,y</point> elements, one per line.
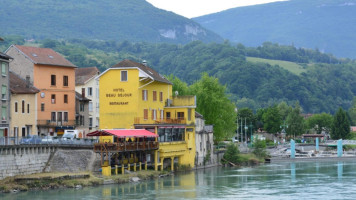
<point>19,119</point>
<point>122,106</point>
<point>42,80</point>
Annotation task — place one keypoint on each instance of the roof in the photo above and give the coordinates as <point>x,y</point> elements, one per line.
<point>149,71</point>
<point>19,86</point>
<point>4,56</point>
<point>83,74</point>
<point>123,133</point>
<point>44,56</point>
<point>353,128</point>
<point>80,97</point>
<point>198,115</point>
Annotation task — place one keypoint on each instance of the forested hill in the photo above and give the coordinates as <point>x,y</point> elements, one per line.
<point>328,25</point>
<point>320,82</point>
<point>119,20</point>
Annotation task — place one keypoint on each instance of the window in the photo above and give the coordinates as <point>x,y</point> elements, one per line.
<point>65,80</point>
<point>180,115</point>
<point>162,114</point>
<point>90,91</point>
<point>53,116</point>
<point>81,107</point>
<point>23,106</point>
<point>189,114</point>
<point>144,95</point>
<point>145,114</point>
<point>90,106</point>
<point>161,96</point>
<point>65,116</point>
<point>53,80</point>
<point>23,131</point>
<point>42,107</point>
<point>16,107</point>
<point>3,91</point>
<point>90,122</point>
<point>3,113</point>
<point>65,98</point>
<point>53,98</point>
<point>59,116</point>
<point>123,75</point>
<point>28,108</point>
<point>154,114</point>
<point>154,96</point>
<point>3,69</point>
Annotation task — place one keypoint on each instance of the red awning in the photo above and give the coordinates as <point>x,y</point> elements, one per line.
<point>123,133</point>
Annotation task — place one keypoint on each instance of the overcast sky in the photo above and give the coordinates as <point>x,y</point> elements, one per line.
<point>195,8</point>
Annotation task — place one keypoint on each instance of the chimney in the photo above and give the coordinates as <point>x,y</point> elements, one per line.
<point>83,92</point>
<point>144,62</point>
<point>28,82</point>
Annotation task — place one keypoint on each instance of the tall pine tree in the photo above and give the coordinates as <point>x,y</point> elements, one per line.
<point>341,125</point>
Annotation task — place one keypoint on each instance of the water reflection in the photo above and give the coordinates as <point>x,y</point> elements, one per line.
<point>323,180</point>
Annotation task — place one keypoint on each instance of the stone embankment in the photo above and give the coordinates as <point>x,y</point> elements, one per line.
<point>31,159</point>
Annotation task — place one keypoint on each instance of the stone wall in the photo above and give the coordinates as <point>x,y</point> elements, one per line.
<point>23,160</point>
<point>19,160</point>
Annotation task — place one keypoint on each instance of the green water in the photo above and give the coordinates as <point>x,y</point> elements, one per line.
<point>325,180</point>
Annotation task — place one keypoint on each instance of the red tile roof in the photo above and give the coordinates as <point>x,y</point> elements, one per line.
<point>155,75</point>
<point>83,74</point>
<point>19,85</point>
<point>44,56</point>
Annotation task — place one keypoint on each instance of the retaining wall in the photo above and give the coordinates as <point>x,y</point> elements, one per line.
<point>24,160</point>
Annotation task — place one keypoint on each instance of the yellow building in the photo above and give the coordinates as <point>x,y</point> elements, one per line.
<point>23,107</point>
<point>134,96</point>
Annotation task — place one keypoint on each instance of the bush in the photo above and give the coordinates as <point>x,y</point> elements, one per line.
<point>259,148</point>
<point>231,154</point>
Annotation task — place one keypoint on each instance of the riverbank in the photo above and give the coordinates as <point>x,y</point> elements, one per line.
<point>46,181</point>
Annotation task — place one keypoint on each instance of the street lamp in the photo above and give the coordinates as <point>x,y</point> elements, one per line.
<point>284,126</point>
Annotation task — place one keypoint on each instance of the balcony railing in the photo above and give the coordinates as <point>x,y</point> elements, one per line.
<point>141,120</point>
<point>56,123</point>
<point>126,146</point>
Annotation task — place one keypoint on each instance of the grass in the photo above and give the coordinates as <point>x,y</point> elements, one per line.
<point>290,66</point>
<point>68,180</point>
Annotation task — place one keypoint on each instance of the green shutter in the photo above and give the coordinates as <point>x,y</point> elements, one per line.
<point>3,68</point>
<point>4,88</point>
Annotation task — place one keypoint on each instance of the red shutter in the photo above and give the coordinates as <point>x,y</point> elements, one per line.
<point>161,96</point>
<point>143,95</point>
<point>145,113</point>
<point>154,96</point>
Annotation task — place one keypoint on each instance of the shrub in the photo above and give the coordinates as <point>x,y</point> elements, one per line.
<point>231,154</point>
<point>259,148</point>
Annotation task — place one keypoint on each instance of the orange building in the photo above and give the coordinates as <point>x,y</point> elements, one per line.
<point>54,76</point>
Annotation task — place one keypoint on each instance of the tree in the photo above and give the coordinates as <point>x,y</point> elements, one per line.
<point>320,122</point>
<point>246,114</point>
<point>214,105</point>
<point>341,126</point>
<point>284,109</point>
<point>179,85</point>
<point>272,120</point>
<point>352,112</point>
<point>295,122</point>
<point>259,148</point>
<point>232,154</point>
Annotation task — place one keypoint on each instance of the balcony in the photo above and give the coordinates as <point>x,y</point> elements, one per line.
<point>141,120</point>
<point>185,101</point>
<point>126,146</point>
<point>50,123</point>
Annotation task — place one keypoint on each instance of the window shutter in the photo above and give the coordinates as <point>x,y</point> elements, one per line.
<point>154,96</point>
<point>143,95</point>
<point>145,113</point>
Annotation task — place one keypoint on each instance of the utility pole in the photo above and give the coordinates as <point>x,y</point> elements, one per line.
<point>245,132</point>
<point>242,139</point>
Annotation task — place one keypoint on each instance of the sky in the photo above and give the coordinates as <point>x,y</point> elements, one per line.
<point>195,8</point>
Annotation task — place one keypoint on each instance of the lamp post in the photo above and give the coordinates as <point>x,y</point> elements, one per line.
<point>246,128</point>
<point>251,126</point>
<point>284,126</point>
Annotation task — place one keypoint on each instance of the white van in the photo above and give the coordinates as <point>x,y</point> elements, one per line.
<point>72,134</point>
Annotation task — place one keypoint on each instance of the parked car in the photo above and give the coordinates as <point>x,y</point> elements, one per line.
<point>50,140</point>
<point>31,139</point>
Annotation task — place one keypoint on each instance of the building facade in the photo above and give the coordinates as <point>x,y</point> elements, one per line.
<point>54,76</point>
<point>134,96</point>
<point>23,107</point>
<point>82,114</point>
<point>87,85</point>
<point>204,141</point>
<point>5,96</point>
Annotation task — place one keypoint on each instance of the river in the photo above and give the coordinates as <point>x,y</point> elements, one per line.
<point>324,180</point>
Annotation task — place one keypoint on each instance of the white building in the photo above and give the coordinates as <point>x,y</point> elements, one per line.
<point>88,86</point>
<point>204,143</point>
